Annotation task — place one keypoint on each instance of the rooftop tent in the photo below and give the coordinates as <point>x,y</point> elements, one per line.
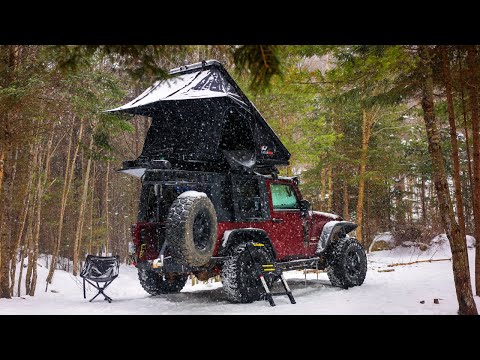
<point>202,120</point>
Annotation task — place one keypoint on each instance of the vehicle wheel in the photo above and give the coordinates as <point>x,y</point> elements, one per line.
<point>240,282</point>
<point>191,230</point>
<point>156,283</point>
<point>346,263</point>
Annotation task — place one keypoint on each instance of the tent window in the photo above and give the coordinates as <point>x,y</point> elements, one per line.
<point>237,133</point>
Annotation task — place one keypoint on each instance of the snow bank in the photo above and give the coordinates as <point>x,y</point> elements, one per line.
<point>394,292</point>
<point>382,240</point>
<point>442,239</point>
<point>439,248</point>
<point>192,193</point>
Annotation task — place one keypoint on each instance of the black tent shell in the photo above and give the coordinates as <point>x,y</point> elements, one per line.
<point>201,119</point>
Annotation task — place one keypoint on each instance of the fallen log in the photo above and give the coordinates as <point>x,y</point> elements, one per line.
<point>418,261</point>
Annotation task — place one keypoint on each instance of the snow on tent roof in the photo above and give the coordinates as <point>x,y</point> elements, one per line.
<point>201,83</point>
<point>200,115</point>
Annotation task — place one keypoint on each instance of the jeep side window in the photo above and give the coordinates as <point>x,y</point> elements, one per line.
<point>249,199</point>
<point>283,197</point>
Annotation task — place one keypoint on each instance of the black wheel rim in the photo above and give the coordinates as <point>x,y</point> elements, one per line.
<point>352,263</point>
<point>201,231</point>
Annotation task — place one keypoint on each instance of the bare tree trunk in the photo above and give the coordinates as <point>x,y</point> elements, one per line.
<point>453,138</point>
<point>461,272</point>
<point>9,257</point>
<point>472,87</point>
<point>6,131</point>
<point>2,166</point>
<point>137,137</point>
<point>323,179</point>
<point>91,209</point>
<point>424,207</point>
<point>37,163</point>
<point>330,188</point>
<point>346,215</point>
<point>26,203</point>
<point>26,246</point>
<point>69,169</point>
<point>5,238</point>
<point>5,215</point>
<point>465,127</point>
<point>366,132</point>
<point>41,186</point>
<point>409,187</point>
<point>8,58</point>
<point>81,219</point>
<point>432,205</point>
<point>399,201</point>
<point>106,209</point>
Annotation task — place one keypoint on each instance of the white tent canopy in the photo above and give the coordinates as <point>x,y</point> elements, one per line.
<point>204,83</point>
<point>201,116</point>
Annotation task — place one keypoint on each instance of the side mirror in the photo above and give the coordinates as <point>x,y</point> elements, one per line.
<point>304,207</point>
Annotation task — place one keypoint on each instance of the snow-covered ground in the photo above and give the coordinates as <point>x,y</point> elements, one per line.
<point>393,292</point>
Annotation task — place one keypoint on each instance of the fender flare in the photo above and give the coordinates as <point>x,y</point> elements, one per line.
<point>238,236</point>
<point>330,230</point>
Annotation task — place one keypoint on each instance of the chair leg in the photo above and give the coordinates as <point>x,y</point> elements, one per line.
<point>96,287</point>
<point>95,296</point>
<point>84,294</point>
<point>108,298</point>
<point>101,291</point>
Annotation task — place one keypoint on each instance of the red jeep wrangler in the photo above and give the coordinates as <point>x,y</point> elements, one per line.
<point>212,202</point>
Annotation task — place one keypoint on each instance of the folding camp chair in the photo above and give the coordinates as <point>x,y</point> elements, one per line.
<point>100,269</point>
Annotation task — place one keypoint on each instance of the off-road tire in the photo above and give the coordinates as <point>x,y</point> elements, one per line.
<point>240,282</point>
<point>191,230</point>
<point>155,283</point>
<point>346,263</point>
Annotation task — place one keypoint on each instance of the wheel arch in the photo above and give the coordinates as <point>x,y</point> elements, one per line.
<point>331,230</point>
<point>235,237</point>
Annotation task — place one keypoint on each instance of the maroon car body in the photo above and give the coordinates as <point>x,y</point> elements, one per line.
<point>210,187</point>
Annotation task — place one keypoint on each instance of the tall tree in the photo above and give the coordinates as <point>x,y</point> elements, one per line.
<point>453,138</point>
<point>81,213</point>
<point>461,271</point>
<point>472,84</point>
<point>68,178</point>
<point>369,117</point>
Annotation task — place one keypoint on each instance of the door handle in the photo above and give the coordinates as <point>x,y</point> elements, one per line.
<point>277,220</point>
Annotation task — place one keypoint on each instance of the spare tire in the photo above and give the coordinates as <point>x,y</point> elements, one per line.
<point>191,229</point>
